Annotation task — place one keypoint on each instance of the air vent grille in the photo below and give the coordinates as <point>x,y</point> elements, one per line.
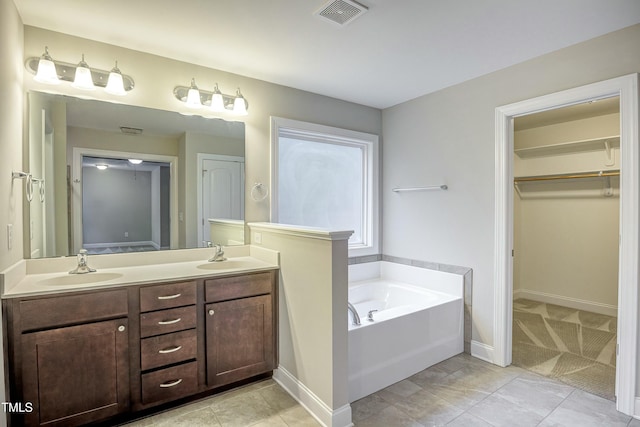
<point>341,12</point>
<point>130,131</point>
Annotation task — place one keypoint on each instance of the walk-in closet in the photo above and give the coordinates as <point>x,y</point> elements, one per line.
<point>566,244</point>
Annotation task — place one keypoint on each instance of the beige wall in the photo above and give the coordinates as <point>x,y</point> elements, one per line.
<point>11,131</point>
<point>155,78</point>
<point>313,312</point>
<point>449,136</point>
<point>11,158</point>
<point>566,232</point>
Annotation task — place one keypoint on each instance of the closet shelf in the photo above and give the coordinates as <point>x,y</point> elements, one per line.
<point>594,144</point>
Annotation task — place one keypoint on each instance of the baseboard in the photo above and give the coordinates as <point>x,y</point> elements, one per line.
<point>482,351</point>
<point>578,304</point>
<point>326,416</point>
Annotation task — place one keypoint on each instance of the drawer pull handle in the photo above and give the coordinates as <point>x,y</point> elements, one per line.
<point>171,384</point>
<point>169,322</point>
<point>211,312</point>
<point>170,350</point>
<point>121,328</point>
<point>170,296</point>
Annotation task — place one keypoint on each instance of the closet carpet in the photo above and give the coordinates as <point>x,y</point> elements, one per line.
<point>574,346</point>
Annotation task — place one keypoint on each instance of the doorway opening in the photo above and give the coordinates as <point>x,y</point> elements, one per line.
<point>626,88</point>
<point>566,169</point>
<point>125,205</point>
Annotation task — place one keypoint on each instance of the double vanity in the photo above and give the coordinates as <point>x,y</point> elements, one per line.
<point>143,331</point>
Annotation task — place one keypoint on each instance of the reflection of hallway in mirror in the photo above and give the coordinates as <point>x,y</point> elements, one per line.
<point>125,206</point>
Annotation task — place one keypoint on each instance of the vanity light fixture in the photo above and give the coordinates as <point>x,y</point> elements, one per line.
<point>83,79</point>
<point>214,101</point>
<point>51,71</point>
<point>135,161</point>
<point>46,69</point>
<point>102,166</point>
<point>115,84</point>
<point>193,96</point>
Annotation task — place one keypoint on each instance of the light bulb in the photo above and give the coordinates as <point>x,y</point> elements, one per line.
<point>217,101</point>
<point>239,105</point>
<point>193,96</point>
<point>102,166</point>
<point>115,84</point>
<point>83,79</point>
<point>47,69</point>
<point>135,161</point>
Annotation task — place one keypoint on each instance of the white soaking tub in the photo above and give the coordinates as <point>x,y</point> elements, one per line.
<point>417,322</point>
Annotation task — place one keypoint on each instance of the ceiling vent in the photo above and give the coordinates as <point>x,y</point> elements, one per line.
<point>130,131</point>
<point>341,12</point>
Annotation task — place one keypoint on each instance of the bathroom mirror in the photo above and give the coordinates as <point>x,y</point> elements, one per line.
<point>115,178</point>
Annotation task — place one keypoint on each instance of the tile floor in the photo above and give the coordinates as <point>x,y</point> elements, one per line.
<point>461,391</point>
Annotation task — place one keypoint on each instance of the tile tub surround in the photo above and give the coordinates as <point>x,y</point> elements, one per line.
<point>455,269</point>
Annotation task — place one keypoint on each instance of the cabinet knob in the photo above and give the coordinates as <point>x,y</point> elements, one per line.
<point>211,312</point>
<point>121,328</point>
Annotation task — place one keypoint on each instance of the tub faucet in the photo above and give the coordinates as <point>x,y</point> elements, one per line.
<point>218,256</point>
<point>370,315</point>
<point>82,267</point>
<point>354,313</point>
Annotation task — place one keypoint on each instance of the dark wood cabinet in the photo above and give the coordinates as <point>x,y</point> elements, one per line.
<point>100,356</point>
<point>239,339</point>
<point>77,374</point>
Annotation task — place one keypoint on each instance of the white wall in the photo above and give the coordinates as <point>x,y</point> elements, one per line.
<point>566,232</point>
<point>449,137</point>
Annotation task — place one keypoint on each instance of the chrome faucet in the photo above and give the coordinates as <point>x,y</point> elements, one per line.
<point>82,267</point>
<point>218,256</point>
<point>354,313</point>
<point>370,315</point>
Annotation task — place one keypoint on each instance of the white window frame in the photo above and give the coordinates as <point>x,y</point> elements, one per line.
<point>321,133</point>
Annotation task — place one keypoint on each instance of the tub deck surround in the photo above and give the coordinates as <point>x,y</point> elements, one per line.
<point>418,322</point>
<point>50,275</point>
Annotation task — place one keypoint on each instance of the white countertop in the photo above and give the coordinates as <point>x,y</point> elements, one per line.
<point>49,276</point>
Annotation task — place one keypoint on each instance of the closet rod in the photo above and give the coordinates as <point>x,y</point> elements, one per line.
<point>572,176</point>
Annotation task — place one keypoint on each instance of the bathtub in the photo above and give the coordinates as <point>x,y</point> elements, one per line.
<point>418,323</point>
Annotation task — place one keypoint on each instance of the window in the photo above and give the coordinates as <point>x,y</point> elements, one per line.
<point>326,177</point>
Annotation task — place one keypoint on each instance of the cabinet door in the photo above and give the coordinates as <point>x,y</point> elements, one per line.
<point>77,374</point>
<point>240,339</point>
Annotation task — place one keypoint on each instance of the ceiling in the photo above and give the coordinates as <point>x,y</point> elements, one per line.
<point>396,51</point>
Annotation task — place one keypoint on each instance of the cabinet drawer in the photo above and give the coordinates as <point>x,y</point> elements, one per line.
<point>165,321</point>
<point>167,296</point>
<point>171,383</point>
<point>228,288</point>
<point>168,349</point>
<point>72,309</point>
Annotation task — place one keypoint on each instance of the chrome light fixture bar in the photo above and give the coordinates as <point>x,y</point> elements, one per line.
<point>52,71</point>
<point>214,100</point>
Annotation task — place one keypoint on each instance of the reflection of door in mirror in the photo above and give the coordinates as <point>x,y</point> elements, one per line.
<point>125,205</point>
<point>42,234</point>
<point>222,199</point>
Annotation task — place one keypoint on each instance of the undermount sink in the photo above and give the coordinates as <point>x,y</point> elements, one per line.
<point>79,279</point>
<point>228,265</point>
